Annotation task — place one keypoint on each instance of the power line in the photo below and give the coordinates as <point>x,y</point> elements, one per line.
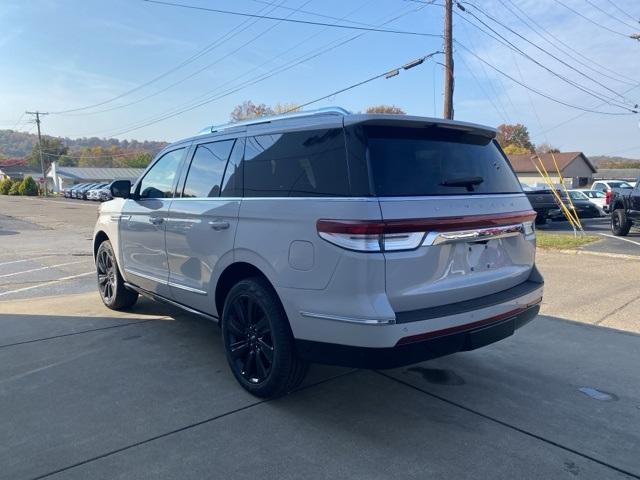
<point>538,92</point>
<point>387,74</point>
<point>592,21</point>
<point>210,47</point>
<point>635,19</point>
<point>569,120</point>
<point>597,7</point>
<point>628,80</point>
<point>562,77</point>
<point>193,74</point>
<point>291,20</point>
<point>214,95</point>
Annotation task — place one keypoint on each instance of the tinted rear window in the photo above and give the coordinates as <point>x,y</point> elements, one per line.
<point>436,161</point>
<point>296,164</point>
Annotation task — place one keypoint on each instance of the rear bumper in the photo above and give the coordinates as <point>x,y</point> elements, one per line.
<point>420,347</point>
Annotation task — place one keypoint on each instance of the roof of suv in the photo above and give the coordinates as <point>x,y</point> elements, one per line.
<point>335,118</point>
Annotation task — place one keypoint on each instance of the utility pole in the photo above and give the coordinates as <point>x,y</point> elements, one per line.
<point>448,60</point>
<point>44,176</point>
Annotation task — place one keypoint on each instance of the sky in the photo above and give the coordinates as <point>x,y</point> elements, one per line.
<point>158,72</point>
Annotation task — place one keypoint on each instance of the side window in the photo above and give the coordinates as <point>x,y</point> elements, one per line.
<point>232,182</point>
<point>207,169</point>
<point>158,181</point>
<point>296,164</point>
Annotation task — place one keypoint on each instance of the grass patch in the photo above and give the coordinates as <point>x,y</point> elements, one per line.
<point>563,241</point>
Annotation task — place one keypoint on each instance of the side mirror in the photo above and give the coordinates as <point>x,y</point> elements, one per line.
<point>121,189</point>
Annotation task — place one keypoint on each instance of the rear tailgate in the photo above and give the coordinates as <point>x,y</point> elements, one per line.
<point>459,190</point>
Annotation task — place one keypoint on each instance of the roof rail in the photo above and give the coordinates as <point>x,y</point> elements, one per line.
<point>271,118</point>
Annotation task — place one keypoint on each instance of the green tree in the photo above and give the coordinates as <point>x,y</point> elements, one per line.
<point>52,148</point>
<point>67,161</point>
<point>28,187</point>
<point>385,109</point>
<point>97,156</point>
<point>5,186</point>
<point>516,135</point>
<point>15,188</point>
<point>139,160</point>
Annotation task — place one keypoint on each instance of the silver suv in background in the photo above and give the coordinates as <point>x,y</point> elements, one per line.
<point>370,241</point>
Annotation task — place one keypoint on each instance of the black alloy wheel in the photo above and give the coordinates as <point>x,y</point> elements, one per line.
<point>106,267</point>
<point>111,286</point>
<point>258,342</point>
<point>250,342</point>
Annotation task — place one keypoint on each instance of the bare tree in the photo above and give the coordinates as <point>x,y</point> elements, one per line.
<point>385,109</point>
<point>247,110</point>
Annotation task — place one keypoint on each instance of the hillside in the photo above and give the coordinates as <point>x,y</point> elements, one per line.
<point>19,144</point>
<point>603,161</point>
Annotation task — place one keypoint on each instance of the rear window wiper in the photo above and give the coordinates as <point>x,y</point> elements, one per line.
<point>468,182</point>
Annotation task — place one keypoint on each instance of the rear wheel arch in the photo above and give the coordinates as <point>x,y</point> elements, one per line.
<point>98,239</point>
<point>233,274</point>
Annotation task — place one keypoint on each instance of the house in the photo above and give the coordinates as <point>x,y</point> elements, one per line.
<point>576,169</point>
<point>63,177</point>
<point>18,172</point>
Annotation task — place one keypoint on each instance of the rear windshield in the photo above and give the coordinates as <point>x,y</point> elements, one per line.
<point>436,161</point>
<point>619,185</point>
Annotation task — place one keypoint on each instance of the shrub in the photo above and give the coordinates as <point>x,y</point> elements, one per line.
<point>28,187</point>
<point>14,190</point>
<point>5,186</point>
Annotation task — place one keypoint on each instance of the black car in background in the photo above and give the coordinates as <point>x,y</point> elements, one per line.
<point>583,208</point>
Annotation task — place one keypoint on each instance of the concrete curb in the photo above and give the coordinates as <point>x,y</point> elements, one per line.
<point>619,256</point>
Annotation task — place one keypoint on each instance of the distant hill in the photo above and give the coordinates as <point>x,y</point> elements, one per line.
<point>604,161</point>
<point>19,144</point>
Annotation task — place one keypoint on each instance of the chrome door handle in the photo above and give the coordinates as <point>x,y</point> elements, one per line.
<point>219,224</point>
<point>156,220</point>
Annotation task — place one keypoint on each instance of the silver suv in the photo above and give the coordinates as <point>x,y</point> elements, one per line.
<point>369,241</point>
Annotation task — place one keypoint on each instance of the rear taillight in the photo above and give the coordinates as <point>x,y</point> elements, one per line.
<point>398,235</point>
<point>607,197</point>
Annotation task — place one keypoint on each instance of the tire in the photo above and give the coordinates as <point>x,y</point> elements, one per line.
<point>110,283</point>
<point>258,341</point>
<point>620,225</point>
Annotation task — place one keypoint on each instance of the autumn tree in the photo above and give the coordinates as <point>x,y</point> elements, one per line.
<point>386,109</point>
<point>248,110</point>
<point>515,137</point>
<point>285,107</point>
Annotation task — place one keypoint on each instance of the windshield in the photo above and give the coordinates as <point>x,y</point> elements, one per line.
<point>436,161</point>
<point>619,185</point>
<point>577,195</point>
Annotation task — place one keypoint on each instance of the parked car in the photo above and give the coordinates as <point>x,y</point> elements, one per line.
<point>73,191</point>
<point>92,193</point>
<point>104,194</point>
<point>625,209</point>
<point>596,197</point>
<point>542,201</point>
<point>369,240</point>
<point>81,193</point>
<point>579,203</point>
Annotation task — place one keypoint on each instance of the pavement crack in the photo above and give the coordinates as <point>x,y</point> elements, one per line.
<point>187,427</point>
<point>512,427</point>
<point>35,340</point>
<point>616,310</point>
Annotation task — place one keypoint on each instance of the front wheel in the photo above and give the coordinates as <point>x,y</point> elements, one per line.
<point>620,225</point>
<point>110,283</point>
<point>258,342</point>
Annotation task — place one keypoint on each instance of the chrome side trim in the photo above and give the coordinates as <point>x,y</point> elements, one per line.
<point>188,289</point>
<point>160,298</point>
<point>148,277</point>
<point>339,318</point>
<point>475,235</point>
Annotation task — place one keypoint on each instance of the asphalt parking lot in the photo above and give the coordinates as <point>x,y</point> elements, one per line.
<point>89,393</point>
<point>601,227</point>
